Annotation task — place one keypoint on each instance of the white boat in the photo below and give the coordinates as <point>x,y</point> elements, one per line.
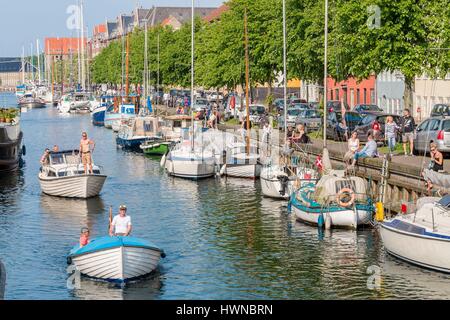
<point>277,184</point>
<point>114,116</point>
<point>76,102</point>
<point>335,201</point>
<point>239,164</point>
<point>116,259</point>
<point>136,131</point>
<point>423,237</point>
<point>184,162</point>
<point>65,177</point>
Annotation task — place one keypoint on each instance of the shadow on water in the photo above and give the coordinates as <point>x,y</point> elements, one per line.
<point>11,184</point>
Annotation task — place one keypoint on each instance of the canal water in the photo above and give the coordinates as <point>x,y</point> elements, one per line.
<point>222,238</point>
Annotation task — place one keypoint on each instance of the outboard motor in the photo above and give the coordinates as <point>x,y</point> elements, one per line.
<point>284,184</point>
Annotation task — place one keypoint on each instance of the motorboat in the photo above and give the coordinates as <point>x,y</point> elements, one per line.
<point>11,136</point>
<point>64,176</point>
<point>242,163</point>
<point>31,101</point>
<point>423,236</point>
<point>98,114</point>
<point>115,116</point>
<point>336,200</point>
<point>136,131</point>
<point>116,259</point>
<point>76,102</point>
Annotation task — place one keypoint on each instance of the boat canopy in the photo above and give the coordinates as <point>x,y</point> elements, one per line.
<point>65,157</point>
<point>146,127</point>
<point>329,186</point>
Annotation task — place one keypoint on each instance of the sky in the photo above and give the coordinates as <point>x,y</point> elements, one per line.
<point>24,21</point>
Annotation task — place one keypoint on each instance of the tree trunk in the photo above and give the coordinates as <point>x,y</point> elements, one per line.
<point>269,95</point>
<point>408,94</point>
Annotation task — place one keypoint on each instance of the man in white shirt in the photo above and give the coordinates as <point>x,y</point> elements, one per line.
<point>121,224</point>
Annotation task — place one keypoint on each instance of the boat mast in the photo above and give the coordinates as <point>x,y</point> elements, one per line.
<point>325,76</point>
<point>192,73</point>
<point>127,88</point>
<point>39,61</point>
<point>23,65</point>
<point>247,80</point>
<point>146,60</point>
<point>83,66</point>
<point>285,70</point>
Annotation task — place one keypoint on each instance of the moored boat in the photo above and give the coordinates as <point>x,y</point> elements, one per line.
<point>98,114</point>
<point>133,133</point>
<point>335,201</point>
<point>11,136</point>
<point>30,101</point>
<point>116,259</point>
<point>422,237</point>
<point>115,115</point>
<point>64,177</point>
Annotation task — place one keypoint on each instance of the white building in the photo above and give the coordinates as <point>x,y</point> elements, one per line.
<point>390,88</point>
<point>429,92</point>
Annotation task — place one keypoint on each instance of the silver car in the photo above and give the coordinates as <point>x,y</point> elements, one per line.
<point>311,119</point>
<point>436,129</point>
<point>292,114</point>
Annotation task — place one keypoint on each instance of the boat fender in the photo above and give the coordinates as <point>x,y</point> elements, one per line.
<point>24,150</point>
<point>224,168</point>
<point>163,161</point>
<point>69,260</point>
<point>345,193</point>
<point>320,221</point>
<point>163,254</point>
<point>328,222</point>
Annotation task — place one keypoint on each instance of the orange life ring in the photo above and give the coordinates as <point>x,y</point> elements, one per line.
<point>346,192</point>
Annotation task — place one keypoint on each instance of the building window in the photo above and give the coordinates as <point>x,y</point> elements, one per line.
<point>331,94</point>
<point>337,94</point>
<point>358,97</point>
<point>352,98</point>
<point>372,96</point>
<point>365,95</point>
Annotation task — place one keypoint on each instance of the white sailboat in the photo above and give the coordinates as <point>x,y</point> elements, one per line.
<point>190,159</point>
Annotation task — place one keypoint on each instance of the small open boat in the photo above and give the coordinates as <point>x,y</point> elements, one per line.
<point>64,177</point>
<point>156,146</point>
<point>116,259</point>
<point>422,237</point>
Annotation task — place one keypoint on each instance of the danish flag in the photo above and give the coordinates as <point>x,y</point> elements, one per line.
<point>318,163</point>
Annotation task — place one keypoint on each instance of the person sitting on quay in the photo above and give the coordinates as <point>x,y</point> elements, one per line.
<point>353,147</point>
<point>436,164</point>
<point>121,224</point>
<point>86,152</point>
<point>300,135</point>
<point>84,237</point>
<point>370,150</point>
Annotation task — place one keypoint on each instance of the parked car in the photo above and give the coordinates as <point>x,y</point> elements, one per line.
<point>256,112</point>
<point>301,106</point>
<point>279,104</point>
<point>335,105</point>
<point>314,105</point>
<point>366,124</point>
<point>367,108</point>
<point>292,114</point>
<point>440,110</point>
<point>295,101</point>
<point>216,96</point>
<point>335,128</point>
<point>436,129</point>
<point>200,104</point>
<point>311,119</point>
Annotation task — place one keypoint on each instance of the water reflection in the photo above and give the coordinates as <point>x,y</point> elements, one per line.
<point>148,288</point>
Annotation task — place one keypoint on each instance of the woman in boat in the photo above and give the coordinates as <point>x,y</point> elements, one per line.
<point>45,159</point>
<point>353,147</point>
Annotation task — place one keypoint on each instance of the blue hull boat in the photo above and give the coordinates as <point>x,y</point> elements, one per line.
<point>98,116</point>
<point>133,144</point>
<point>116,259</point>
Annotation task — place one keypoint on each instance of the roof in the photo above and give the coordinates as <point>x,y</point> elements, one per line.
<point>217,13</point>
<point>10,65</point>
<point>183,14</point>
<point>64,46</point>
<point>98,29</point>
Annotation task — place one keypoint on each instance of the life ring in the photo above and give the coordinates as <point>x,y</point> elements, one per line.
<point>345,192</point>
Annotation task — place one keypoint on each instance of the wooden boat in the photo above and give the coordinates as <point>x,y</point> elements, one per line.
<point>11,149</point>
<point>116,259</point>
<point>422,237</point>
<point>64,177</point>
<point>335,201</point>
<point>155,147</point>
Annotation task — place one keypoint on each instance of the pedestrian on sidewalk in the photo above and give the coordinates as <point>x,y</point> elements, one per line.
<point>390,131</point>
<point>407,129</point>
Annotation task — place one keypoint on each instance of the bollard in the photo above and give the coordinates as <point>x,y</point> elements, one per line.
<point>379,212</point>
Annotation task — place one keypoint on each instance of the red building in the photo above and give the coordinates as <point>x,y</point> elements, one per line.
<point>352,91</point>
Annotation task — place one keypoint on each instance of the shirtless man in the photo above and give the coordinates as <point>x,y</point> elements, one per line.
<point>85,152</point>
